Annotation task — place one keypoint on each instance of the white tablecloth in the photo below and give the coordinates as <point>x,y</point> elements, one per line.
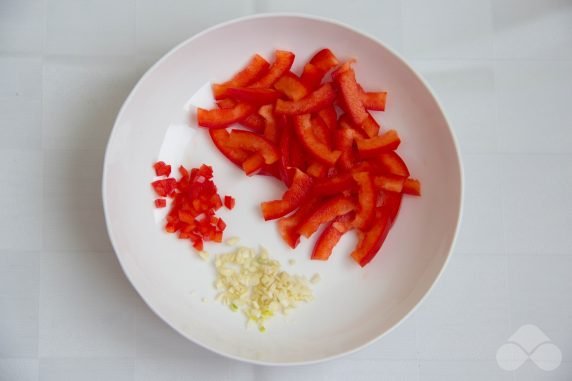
<point>503,70</point>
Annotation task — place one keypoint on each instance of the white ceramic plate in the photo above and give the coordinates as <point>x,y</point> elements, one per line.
<point>353,306</point>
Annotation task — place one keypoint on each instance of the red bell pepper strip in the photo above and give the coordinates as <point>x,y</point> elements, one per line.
<point>345,79</point>
<point>256,67</point>
<point>270,126</point>
<point>320,151</point>
<point>331,236</point>
<point>373,100</point>
<point>253,164</point>
<point>291,199</point>
<point>344,141</point>
<point>311,77</point>
<point>388,141</point>
<point>370,126</point>
<point>322,132</point>
<point>370,242</point>
<point>412,186</point>
<point>326,212</point>
<point>334,185</point>
<point>160,203</point>
<point>251,142</point>
<point>282,63</point>
<point>288,226</point>
<point>389,183</point>
<point>367,197</point>
<point>317,169</point>
<point>221,118</point>
<point>329,117</point>
<point>221,139</point>
<point>392,163</point>
<point>345,122</point>
<point>391,203</point>
<point>324,60</point>
<point>162,169</point>
<point>229,203</point>
<point>251,96</point>
<point>285,135</point>
<point>317,100</point>
<point>253,122</point>
<point>291,86</point>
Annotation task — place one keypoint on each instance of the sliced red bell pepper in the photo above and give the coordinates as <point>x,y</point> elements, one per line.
<point>345,79</point>
<point>221,139</point>
<point>369,242</point>
<point>391,203</point>
<point>320,151</point>
<point>389,183</point>
<point>291,86</point>
<point>370,126</point>
<point>373,100</point>
<point>291,199</point>
<point>316,101</point>
<point>282,63</point>
<point>326,212</point>
<point>229,202</point>
<point>367,197</point>
<point>329,117</point>
<point>317,169</point>
<point>164,187</point>
<point>253,122</point>
<point>253,164</point>
<point>221,118</point>
<point>160,203</point>
<point>321,131</point>
<point>412,186</point>
<point>285,135</point>
<point>256,67</point>
<point>392,163</point>
<point>257,96</point>
<point>331,236</point>
<point>254,143</point>
<point>344,141</point>
<point>324,60</point>
<point>270,125</point>
<point>334,185</point>
<point>311,76</point>
<point>288,226</point>
<point>388,141</point>
<point>162,169</point>
<point>346,122</point>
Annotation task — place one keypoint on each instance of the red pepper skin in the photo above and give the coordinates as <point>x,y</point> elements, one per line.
<point>285,135</point>
<point>367,198</point>
<point>412,187</point>
<point>256,67</point>
<point>324,60</point>
<point>282,63</point>
<point>373,100</point>
<point>391,203</point>
<point>311,76</point>
<point>320,151</point>
<point>334,185</point>
<point>329,117</point>
<point>251,96</point>
<point>254,143</point>
<point>319,99</point>
<point>288,226</point>
<point>331,236</point>
<point>162,169</point>
<point>344,78</point>
<point>221,118</point>
<point>390,183</point>
<point>291,86</point>
<point>370,147</point>
<point>270,125</point>
<point>221,139</point>
<point>370,242</point>
<point>391,163</point>
<point>326,212</point>
<point>291,199</point>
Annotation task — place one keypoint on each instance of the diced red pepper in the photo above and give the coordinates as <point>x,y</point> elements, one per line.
<point>319,99</point>
<point>251,142</point>
<point>291,86</point>
<point>331,236</point>
<point>392,163</point>
<point>344,141</point>
<point>164,187</point>
<point>296,194</point>
<point>329,117</point>
<point>282,63</point>
<point>221,118</point>
<point>229,202</point>
<point>388,141</point>
<point>253,164</point>
<point>288,226</point>
<point>256,67</point>
<point>373,100</point>
<point>334,185</point>
<point>370,242</point>
<point>221,225</point>
<point>389,183</point>
<point>221,139</point>
<point>345,79</point>
<point>257,96</point>
<point>198,245</point>
<point>324,60</point>
<point>162,169</point>
<point>311,76</point>
<point>412,186</point>
<point>326,212</point>
<point>367,198</point>
<point>160,203</point>
<point>320,151</point>
<point>271,128</point>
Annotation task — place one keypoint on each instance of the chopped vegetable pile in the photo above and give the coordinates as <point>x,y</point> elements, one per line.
<point>194,205</point>
<point>315,133</point>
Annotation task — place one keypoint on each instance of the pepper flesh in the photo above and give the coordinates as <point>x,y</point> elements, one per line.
<point>388,141</point>
<point>282,63</point>
<point>221,118</point>
<point>291,86</point>
<point>319,99</point>
<point>292,198</point>
<point>326,212</point>
<point>319,150</point>
<point>366,200</point>
<point>331,236</point>
<point>345,79</point>
<point>255,68</point>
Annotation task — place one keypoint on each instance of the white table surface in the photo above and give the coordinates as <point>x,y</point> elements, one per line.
<point>503,70</point>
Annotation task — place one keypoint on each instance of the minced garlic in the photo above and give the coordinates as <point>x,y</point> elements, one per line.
<point>256,285</point>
